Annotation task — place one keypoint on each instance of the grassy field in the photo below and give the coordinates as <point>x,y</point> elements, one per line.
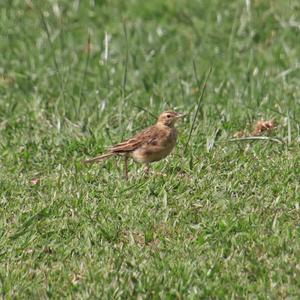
<point>77,76</point>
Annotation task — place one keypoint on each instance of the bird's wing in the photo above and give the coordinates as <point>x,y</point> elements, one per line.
<point>147,136</point>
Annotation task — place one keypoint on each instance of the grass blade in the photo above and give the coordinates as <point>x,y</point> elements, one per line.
<point>84,76</point>
<point>256,138</point>
<point>198,104</point>
<point>125,62</point>
<point>46,29</point>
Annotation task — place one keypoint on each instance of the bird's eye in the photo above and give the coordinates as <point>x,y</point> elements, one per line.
<point>168,116</point>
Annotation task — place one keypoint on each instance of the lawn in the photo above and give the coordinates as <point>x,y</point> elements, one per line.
<point>219,218</point>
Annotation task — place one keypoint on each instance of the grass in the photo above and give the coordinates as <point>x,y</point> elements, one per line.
<point>76,76</point>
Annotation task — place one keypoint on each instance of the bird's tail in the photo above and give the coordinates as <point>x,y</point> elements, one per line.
<point>99,158</point>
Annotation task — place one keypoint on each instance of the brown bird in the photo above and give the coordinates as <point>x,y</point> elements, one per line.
<point>152,144</point>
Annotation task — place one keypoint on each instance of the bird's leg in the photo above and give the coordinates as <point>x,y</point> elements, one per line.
<point>147,169</point>
<point>126,166</point>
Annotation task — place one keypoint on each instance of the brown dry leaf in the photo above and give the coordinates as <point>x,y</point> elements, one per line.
<point>240,134</point>
<point>263,126</point>
<point>260,127</point>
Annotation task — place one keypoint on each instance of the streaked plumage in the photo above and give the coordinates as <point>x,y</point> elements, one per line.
<point>152,144</point>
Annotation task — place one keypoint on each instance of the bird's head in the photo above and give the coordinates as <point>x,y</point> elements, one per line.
<point>169,118</point>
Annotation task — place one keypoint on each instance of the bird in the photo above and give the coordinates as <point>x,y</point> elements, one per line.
<point>150,145</point>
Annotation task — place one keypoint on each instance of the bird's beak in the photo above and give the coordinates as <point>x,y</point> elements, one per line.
<point>179,116</point>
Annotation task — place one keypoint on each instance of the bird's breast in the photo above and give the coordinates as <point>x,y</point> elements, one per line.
<point>158,149</point>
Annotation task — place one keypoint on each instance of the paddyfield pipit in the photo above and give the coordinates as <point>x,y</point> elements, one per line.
<point>152,144</point>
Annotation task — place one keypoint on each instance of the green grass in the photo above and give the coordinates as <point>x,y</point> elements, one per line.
<point>222,223</point>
